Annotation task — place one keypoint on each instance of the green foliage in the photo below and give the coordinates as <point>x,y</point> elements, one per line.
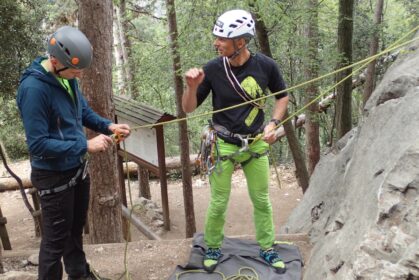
<point>12,134</point>
<point>285,21</point>
<point>20,40</point>
<point>24,23</point>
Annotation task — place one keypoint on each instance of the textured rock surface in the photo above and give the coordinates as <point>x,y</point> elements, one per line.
<point>362,207</point>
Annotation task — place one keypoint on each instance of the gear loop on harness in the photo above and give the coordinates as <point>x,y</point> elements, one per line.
<point>209,154</point>
<point>205,159</point>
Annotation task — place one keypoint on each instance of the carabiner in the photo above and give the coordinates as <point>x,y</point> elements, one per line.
<point>118,137</point>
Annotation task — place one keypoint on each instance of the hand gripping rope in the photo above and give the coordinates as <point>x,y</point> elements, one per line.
<point>118,136</point>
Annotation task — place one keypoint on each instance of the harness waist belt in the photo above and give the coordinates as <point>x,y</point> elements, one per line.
<point>224,131</point>
<point>235,138</point>
<point>73,181</point>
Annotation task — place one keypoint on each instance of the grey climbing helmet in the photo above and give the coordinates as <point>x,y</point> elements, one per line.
<point>71,47</point>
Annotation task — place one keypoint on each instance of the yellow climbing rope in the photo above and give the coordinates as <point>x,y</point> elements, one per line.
<point>240,276</point>
<point>363,63</point>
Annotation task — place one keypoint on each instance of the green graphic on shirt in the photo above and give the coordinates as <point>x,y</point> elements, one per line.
<point>251,86</point>
<point>252,116</point>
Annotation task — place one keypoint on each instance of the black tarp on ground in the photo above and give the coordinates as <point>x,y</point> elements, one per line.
<point>239,254</point>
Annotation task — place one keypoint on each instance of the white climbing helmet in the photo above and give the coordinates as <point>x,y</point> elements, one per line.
<point>234,24</point>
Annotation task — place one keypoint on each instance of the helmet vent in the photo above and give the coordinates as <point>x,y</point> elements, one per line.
<point>67,51</point>
<point>233,25</point>
<point>239,21</point>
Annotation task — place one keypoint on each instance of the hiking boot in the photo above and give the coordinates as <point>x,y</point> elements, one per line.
<point>271,256</point>
<point>211,258</point>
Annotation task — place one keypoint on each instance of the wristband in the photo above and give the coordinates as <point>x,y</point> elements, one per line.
<point>275,121</point>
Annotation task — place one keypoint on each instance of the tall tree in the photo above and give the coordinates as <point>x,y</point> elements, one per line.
<point>369,80</point>
<point>183,128</point>
<point>105,223</point>
<point>300,165</point>
<point>121,79</point>
<point>344,90</point>
<point>126,49</point>
<point>311,72</point>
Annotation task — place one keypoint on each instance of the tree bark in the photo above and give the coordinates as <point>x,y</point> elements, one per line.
<point>299,161</point>
<point>311,72</point>
<point>119,58</point>
<point>129,68</point>
<point>344,90</point>
<point>301,173</point>
<point>105,223</point>
<point>183,129</point>
<point>370,78</point>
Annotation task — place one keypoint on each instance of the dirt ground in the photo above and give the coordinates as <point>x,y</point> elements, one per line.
<point>20,225</point>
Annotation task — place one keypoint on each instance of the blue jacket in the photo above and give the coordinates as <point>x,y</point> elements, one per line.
<point>53,122</point>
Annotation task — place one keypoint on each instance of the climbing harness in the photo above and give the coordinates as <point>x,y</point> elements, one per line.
<point>209,154</point>
<point>81,172</point>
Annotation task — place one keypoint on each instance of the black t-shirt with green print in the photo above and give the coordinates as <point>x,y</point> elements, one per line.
<point>257,75</point>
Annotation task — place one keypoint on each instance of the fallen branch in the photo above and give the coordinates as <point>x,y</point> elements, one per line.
<point>300,120</point>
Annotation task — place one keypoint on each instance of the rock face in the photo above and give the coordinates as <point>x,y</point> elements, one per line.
<point>361,210</point>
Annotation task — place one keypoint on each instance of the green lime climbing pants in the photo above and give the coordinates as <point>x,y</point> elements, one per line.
<point>256,171</point>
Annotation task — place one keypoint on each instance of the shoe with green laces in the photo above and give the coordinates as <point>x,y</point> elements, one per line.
<point>211,258</point>
<point>271,256</point>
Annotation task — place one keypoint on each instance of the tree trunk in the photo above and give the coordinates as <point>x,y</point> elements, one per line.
<point>105,223</point>
<point>301,173</point>
<point>299,161</point>
<point>126,49</point>
<point>344,90</point>
<point>369,80</point>
<point>183,129</point>
<point>311,72</point>
<point>119,59</point>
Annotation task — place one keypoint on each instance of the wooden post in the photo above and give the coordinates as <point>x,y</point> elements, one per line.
<point>3,233</point>
<point>144,183</point>
<point>162,175</point>
<point>125,222</point>
<point>37,216</point>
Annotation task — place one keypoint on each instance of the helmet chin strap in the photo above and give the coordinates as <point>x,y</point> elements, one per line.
<point>57,72</point>
<point>237,51</point>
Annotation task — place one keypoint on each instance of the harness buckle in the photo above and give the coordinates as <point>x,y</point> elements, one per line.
<point>84,173</point>
<point>245,142</point>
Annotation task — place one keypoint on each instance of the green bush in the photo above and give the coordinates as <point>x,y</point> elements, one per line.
<point>12,133</point>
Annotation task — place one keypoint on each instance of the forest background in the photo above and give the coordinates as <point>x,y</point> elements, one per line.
<point>154,44</point>
<point>25,25</point>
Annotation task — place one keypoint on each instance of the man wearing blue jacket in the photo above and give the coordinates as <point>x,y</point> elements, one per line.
<point>54,112</point>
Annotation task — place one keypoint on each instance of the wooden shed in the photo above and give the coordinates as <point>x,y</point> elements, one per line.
<point>145,146</point>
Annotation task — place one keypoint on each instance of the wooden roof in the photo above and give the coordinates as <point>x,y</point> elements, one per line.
<point>139,114</point>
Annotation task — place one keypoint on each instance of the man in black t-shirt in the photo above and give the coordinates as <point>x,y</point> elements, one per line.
<point>238,76</point>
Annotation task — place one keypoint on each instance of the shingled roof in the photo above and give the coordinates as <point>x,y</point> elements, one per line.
<point>139,113</point>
